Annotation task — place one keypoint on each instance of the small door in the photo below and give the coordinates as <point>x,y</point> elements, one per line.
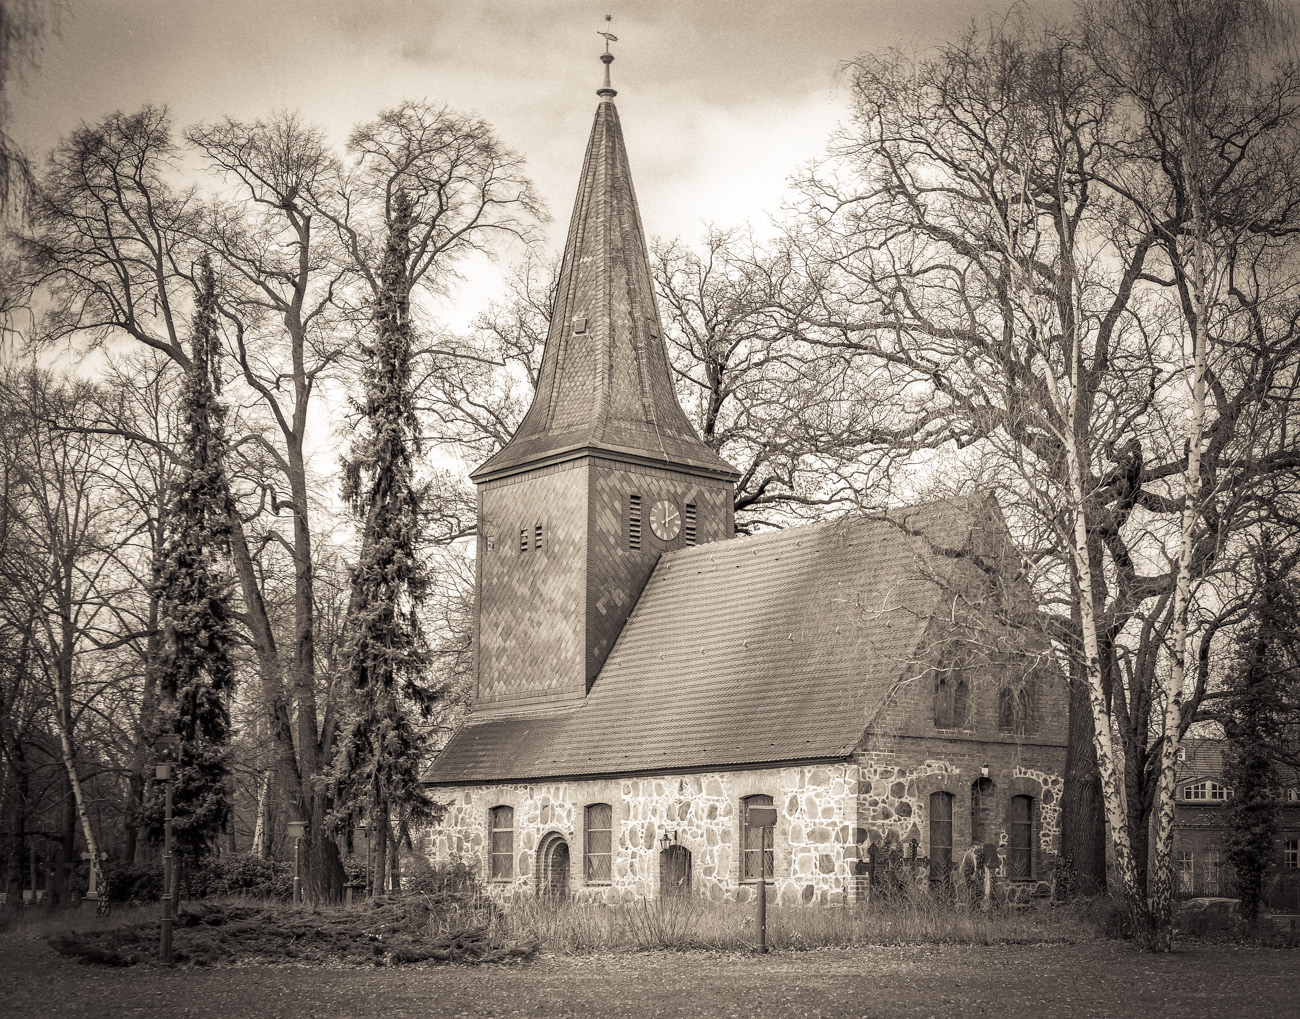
<point>555,879</point>
<point>675,871</point>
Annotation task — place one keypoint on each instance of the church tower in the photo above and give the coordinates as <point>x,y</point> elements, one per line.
<point>605,472</point>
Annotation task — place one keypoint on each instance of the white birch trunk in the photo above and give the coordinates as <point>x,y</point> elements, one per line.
<point>259,827</point>
<point>65,746</point>
<point>1114,795</point>
<point>1194,358</point>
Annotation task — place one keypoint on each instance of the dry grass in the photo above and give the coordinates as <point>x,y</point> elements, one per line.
<point>574,927</point>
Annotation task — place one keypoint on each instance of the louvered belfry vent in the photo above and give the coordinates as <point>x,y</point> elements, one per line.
<point>688,523</point>
<point>523,540</point>
<point>633,521</point>
<point>537,536</point>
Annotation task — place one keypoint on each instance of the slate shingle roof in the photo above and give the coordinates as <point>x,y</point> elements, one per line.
<point>756,650</point>
<point>604,383</point>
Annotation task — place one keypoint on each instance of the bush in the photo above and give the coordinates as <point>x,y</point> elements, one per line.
<point>245,874</point>
<point>421,876</point>
<point>132,883</point>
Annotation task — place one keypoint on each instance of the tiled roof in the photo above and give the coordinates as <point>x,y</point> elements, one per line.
<point>604,383</point>
<point>754,650</point>
<point>1203,757</point>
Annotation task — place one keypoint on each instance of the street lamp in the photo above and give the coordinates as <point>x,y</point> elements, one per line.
<point>296,830</point>
<point>167,751</point>
<point>364,828</point>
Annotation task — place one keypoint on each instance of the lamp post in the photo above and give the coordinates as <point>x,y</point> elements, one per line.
<point>167,748</point>
<point>364,828</point>
<point>297,829</point>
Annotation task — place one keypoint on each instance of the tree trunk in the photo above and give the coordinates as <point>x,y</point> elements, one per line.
<point>16,826</point>
<point>144,730</point>
<point>1083,816</point>
<point>261,840</point>
<point>379,825</point>
<point>74,805</point>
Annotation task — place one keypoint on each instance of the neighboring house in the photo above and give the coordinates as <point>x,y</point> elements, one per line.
<point>1201,794</point>
<point>643,677</point>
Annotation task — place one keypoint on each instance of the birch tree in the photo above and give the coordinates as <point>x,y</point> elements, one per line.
<point>1000,230</point>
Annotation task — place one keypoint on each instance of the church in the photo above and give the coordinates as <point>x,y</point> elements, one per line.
<point>644,677</point>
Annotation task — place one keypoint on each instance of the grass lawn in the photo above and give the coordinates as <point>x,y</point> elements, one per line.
<point>1089,979</point>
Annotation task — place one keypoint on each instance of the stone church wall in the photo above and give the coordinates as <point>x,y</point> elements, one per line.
<point>897,776</point>
<point>813,845</point>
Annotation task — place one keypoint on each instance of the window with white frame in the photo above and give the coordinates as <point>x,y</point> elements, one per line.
<point>502,821</point>
<point>1291,854</point>
<point>1206,791</point>
<point>752,839</point>
<point>598,852</point>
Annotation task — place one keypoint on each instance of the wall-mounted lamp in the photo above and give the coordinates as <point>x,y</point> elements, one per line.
<point>668,838</point>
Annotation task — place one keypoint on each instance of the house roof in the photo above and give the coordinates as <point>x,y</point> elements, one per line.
<point>604,385</point>
<point>1203,757</point>
<point>772,648</point>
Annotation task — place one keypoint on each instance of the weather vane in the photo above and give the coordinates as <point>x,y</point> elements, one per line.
<point>607,58</point>
<point>609,36</point>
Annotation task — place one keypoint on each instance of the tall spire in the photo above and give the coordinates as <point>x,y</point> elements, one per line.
<point>604,385</point>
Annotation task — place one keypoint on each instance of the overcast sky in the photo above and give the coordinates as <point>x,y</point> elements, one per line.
<point>720,101</point>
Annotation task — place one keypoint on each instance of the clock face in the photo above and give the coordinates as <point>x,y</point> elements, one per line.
<point>665,521</point>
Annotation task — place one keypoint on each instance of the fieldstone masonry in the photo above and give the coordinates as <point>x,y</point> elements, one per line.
<point>813,843</point>
<point>827,816</point>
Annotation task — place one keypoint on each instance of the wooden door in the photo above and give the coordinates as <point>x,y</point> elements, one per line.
<point>675,871</point>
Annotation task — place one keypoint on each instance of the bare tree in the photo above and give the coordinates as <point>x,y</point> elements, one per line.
<point>1000,230</point>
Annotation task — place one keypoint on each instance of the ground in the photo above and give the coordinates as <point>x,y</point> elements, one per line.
<point>1095,979</point>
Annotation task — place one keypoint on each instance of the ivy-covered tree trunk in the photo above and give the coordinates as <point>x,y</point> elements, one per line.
<point>384,652</point>
<point>1253,720</point>
<point>1082,869</point>
<point>195,674</point>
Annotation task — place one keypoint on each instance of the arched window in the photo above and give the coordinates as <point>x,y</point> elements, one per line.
<point>1020,835</point>
<point>503,843</point>
<point>940,840</point>
<point>961,704</point>
<point>751,843</point>
<point>597,853</point>
<point>1013,710</point>
<point>943,703</point>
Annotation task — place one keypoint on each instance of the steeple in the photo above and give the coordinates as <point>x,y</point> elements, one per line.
<point>605,473</point>
<point>604,386</point>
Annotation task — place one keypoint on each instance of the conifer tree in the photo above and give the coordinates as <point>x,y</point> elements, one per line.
<point>385,655</point>
<point>1253,720</point>
<point>195,671</point>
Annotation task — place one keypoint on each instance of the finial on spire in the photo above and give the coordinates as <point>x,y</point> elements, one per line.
<point>607,58</point>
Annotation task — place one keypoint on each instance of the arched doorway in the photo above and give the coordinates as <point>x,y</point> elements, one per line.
<point>675,871</point>
<point>553,866</point>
